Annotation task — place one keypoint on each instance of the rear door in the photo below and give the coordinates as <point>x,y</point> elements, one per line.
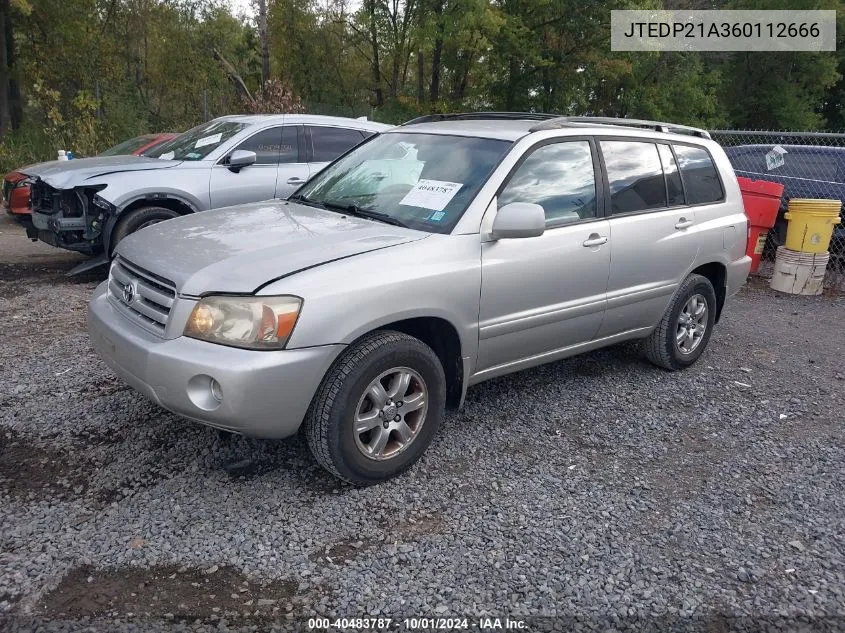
<point>325,143</point>
<point>293,166</point>
<point>653,233</point>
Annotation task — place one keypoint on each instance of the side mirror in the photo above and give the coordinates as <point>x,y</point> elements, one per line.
<point>239,159</point>
<point>519,219</point>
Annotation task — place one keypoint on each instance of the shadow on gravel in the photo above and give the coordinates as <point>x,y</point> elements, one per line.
<point>31,469</point>
<point>169,592</point>
<point>43,272</point>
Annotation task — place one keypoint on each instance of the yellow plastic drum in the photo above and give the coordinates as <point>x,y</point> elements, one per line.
<point>811,224</point>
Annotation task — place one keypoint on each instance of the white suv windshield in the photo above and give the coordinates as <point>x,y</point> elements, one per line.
<point>198,142</point>
<point>422,181</point>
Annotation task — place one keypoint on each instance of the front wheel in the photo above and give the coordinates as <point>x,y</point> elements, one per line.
<point>377,409</point>
<point>684,331</point>
<point>139,219</point>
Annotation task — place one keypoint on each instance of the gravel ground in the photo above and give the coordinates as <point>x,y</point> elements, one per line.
<point>598,488</point>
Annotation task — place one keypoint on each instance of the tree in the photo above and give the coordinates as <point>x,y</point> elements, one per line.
<point>265,47</point>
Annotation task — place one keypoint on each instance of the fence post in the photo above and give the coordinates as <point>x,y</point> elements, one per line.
<point>205,105</point>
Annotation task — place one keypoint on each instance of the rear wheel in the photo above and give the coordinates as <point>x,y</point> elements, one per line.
<point>139,219</point>
<point>685,329</point>
<point>377,409</point>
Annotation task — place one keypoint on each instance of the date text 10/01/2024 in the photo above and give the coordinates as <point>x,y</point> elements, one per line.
<point>422,623</point>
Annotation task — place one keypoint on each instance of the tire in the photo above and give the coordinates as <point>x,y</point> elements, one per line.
<point>343,397</point>
<point>138,219</point>
<point>662,347</point>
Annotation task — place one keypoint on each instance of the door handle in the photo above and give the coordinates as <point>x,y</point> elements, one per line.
<point>295,181</point>
<point>683,223</point>
<point>595,240</point>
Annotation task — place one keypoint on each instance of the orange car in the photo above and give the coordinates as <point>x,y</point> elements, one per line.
<point>16,183</point>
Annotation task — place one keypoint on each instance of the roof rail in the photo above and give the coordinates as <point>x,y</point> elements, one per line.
<point>481,116</point>
<point>657,126</point>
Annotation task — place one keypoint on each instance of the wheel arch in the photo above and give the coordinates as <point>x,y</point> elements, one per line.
<point>168,201</point>
<point>717,274</point>
<point>442,337</point>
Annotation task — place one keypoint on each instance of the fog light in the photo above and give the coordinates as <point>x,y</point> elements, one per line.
<point>205,392</point>
<point>216,390</point>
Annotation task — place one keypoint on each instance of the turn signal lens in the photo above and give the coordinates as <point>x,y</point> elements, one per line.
<point>201,320</point>
<point>248,322</point>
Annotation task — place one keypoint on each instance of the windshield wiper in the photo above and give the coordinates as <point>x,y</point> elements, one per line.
<point>357,211</point>
<point>298,197</point>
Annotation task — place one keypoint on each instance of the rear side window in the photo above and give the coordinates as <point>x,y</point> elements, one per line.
<point>560,178</point>
<point>701,179</point>
<point>330,142</point>
<point>674,189</point>
<point>635,176</point>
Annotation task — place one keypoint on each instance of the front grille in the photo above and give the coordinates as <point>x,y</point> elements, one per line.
<point>143,295</point>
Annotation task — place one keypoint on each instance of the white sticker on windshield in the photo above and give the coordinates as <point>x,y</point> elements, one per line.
<point>208,140</point>
<point>167,156</point>
<point>431,194</point>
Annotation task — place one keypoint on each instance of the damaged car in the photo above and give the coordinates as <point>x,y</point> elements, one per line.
<point>90,205</point>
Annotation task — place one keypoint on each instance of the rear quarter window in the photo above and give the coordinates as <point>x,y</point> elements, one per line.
<point>701,180</point>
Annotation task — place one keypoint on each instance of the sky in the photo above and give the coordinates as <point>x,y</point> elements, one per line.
<point>242,6</point>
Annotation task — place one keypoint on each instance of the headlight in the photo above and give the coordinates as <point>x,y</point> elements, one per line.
<point>249,322</point>
<point>25,182</point>
<point>102,203</point>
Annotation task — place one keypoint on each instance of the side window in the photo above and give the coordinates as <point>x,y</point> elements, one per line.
<point>289,151</point>
<point>560,178</point>
<point>674,189</point>
<point>266,145</point>
<point>331,142</point>
<point>699,173</point>
<point>635,175</point>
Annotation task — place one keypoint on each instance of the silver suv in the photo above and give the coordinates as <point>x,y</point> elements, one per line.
<point>90,204</point>
<point>439,254</point>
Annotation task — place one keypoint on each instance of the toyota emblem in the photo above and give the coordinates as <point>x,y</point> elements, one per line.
<point>128,293</point>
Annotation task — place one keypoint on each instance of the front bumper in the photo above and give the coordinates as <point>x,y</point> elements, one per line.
<point>265,394</point>
<point>69,233</point>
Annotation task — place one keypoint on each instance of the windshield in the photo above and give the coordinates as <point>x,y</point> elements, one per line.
<point>197,143</point>
<point>423,181</point>
<point>128,147</point>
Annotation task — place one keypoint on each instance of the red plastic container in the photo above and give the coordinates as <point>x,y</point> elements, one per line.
<point>761,199</point>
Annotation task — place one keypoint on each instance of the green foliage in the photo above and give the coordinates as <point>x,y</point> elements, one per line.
<point>95,72</point>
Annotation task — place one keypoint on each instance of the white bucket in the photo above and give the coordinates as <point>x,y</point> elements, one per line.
<point>799,273</point>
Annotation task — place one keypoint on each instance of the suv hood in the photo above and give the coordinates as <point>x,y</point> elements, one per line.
<point>64,174</point>
<point>239,249</point>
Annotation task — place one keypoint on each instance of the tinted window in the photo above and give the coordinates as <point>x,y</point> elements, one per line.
<point>273,145</point>
<point>560,178</point>
<point>331,142</point>
<point>635,175</point>
<point>673,178</point>
<point>699,174</point>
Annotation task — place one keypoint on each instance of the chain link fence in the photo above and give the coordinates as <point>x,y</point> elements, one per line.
<point>808,165</point>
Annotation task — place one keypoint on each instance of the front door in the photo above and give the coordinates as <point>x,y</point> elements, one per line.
<point>543,294</point>
<point>254,182</point>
